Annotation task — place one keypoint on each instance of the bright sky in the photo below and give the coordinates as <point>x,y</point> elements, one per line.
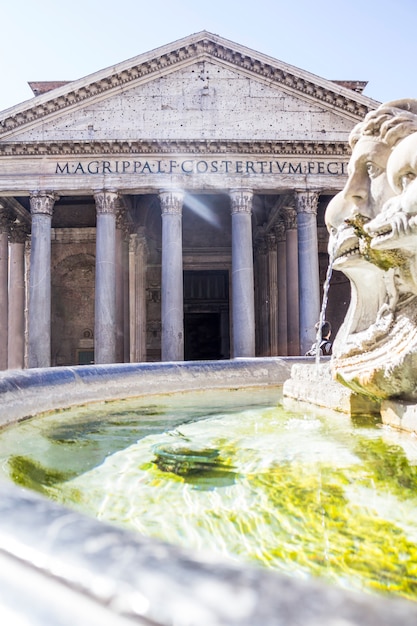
<point>371,40</point>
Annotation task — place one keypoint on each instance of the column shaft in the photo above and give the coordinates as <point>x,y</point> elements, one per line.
<point>308,267</point>
<point>141,296</point>
<point>293,314</point>
<point>273,293</point>
<point>282,290</point>
<point>126,296</point>
<point>120,301</point>
<point>137,298</point>
<point>262,300</point>
<point>172,299</point>
<point>16,346</point>
<point>242,274</point>
<point>4,262</point>
<point>105,288</point>
<point>133,357</point>
<point>39,345</point>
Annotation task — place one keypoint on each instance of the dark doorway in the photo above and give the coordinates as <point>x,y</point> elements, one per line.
<point>206,315</point>
<point>202,336</point>
<point>85,357</point>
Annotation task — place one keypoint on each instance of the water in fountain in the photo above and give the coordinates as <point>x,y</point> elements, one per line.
<point>236,474</point>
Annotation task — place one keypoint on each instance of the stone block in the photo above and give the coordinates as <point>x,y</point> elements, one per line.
<point>399,414</point>
<point>312,383</point>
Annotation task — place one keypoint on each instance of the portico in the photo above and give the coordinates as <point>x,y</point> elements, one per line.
<point>205,238</point>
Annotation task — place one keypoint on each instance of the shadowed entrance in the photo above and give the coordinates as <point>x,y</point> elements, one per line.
<point>206,315</point>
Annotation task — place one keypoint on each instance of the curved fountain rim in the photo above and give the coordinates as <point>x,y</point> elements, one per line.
<point>76,563</point>
<point>26,393</point>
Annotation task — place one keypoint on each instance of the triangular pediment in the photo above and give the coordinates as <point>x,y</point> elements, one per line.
<point>199,87</point>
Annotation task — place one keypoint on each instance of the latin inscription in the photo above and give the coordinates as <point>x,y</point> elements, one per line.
<point>192,166</point>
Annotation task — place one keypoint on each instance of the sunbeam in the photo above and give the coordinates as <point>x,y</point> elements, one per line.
<point>201,209</point>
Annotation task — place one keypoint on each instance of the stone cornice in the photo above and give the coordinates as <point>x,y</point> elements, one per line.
<point>143,68</point>
<point>285,77</point>
<point>103,148</point>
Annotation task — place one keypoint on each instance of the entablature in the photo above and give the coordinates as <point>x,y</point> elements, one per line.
<point>173,147</point>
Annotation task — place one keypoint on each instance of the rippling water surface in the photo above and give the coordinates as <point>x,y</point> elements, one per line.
<point>234,473</point>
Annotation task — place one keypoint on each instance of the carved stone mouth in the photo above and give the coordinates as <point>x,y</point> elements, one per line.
<point>382,231</point>
<point>392,229</point>
<point>382,236</point>
<point>352,250</point>
<point>347,246</point>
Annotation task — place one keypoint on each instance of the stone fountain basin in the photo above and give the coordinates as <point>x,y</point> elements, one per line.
<point>60,567</point>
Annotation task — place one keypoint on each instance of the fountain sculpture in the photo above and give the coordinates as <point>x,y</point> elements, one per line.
<point>372,239</point>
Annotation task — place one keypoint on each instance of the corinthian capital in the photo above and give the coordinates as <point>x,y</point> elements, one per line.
<point>290,218</point>
<point>5,220</point>
<point>18,233</point>
<point>171,202</point>
<point>42,203</point>
<point>307,201</point>
<point>107,201</point>
<point>241,200</point>
<point>280,230</point>
<point>271,242</point>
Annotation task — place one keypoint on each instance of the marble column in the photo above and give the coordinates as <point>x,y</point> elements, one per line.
<point>271,242</point>
<point>172,298</point>
<point>120,285</point>
<point>16,345</point>
<point>137,296</point>
<point>4,263</point>
<point>126,299</point>
<point>261,298</point>
<point>39,339</point>
<point>280,233</point>
<point>293,315</point>
<point>107,205</point>
<point>133,355</point>
<point>308,266</point>
<point>242,274</point>
<point>256,269</point>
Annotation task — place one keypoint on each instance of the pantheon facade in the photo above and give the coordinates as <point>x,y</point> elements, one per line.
<point>171,207</point>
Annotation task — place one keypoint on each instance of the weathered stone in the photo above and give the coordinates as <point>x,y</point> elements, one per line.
<point>372,240</point>
<point>313,384</point>
<point>400,415</point>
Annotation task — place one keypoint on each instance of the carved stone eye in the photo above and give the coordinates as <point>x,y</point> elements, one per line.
<point>406,179</point>
<point>373,169</point>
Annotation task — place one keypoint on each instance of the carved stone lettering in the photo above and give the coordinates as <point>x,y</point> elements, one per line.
<point>200,167</point>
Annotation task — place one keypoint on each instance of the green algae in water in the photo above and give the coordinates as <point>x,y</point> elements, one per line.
<point>303,494</point>
<point>329,534</point>
<point>32,475</point>
<point>390,467</point>
<point>74,441</point>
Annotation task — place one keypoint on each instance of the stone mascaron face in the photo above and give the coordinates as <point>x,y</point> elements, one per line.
<point>373,237</point>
